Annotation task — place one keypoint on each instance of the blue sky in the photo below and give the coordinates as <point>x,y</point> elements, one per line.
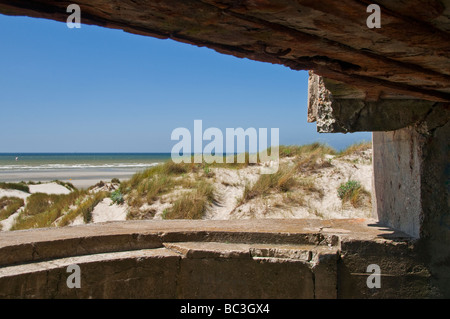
<point>101,90</point>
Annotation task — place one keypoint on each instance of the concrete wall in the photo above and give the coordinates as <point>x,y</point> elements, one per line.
<point>286,259</point>
<point>411,189</point>
<point>397,179</point>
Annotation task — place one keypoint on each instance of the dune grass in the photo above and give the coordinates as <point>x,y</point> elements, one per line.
<point>292,181</point>
<point>281,181</point>
<point>84,208</point>
<point>301,150</point>
<point>17,186</point>
<point>150,185</point>
<point>42,210</point>
<point>352,192</point>
<point>306,158</point>
<point>355,148</point>
<point>67,185</point>
<point>9,205</point>
<point>192,204</point>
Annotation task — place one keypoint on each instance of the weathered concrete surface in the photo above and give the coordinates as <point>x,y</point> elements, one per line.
<point>404,271</point>
<point>397,179</point>
<point>215,259</point>
<point>382,79</point>
<point>411,188</point>
<point>339,108</point>
<point>128,274</point>
<point>407,56</point>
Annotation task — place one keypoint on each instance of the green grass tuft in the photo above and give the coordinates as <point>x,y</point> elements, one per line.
<point>117,197</point>
<point>42,210</point>
<point>9,205</point>
<point>193,204</point>
<point>353,192</point>
<point>18,186</point>
<point>355,148</point>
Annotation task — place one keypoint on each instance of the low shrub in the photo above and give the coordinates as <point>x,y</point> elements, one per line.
<point>117,197</point>
<point>353,192</point>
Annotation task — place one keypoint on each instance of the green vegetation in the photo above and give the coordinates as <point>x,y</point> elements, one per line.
<point>18,186</point>
<point>189,188</point>
<point>192,204</point>
<point>9,205</point>
<point>311,157</point>
<point>150,185</point>
<point>42,210</point>
<point>307,159</point>
<point>117,197</point>
<point>83,208</point>
<point>302,150</point>
<point>353,192</point>
<point>281,181</point>
<point>67,185</point>
<point>355,148</point>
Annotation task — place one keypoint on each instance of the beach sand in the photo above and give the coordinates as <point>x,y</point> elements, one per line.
<point>80,178</point>
<point>48,188</point>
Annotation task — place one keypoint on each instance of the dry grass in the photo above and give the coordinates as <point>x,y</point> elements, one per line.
<point>84,208</point>
<point>355,149</point>
<point>290,184</point>
<point>302,150</point>
<point>353,193</point>
<point>9,205</point>
<point>17,186</point>
<point>42,210</point>
<point>281,181</point>
<point>293,199</point>
<point>308,186</point>
<point>193,204</point>
<point>308,163</point>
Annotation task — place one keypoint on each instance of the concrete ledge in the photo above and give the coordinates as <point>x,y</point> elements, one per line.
<point>210,259</point>
<point>43,244</point>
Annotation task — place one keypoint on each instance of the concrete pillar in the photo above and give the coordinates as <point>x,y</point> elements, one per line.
<point>397,162</point>
<point>411,166</point>
<point>411,192</point>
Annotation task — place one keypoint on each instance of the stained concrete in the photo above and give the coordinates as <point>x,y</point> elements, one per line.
<point>370,80</point>
<point>339,108</point>
<point>213,259</point>
<point>407,56</point>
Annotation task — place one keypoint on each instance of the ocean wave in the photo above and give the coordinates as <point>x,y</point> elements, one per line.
<point>75,166</point>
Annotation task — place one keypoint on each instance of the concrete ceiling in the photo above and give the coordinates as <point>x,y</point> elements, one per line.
<point>408,57</point>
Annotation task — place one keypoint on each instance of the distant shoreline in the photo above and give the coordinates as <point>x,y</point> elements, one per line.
<point>80,178</point>
<point>80,169</point>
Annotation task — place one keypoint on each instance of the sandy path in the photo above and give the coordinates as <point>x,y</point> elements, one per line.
<point>13,193</point>
<point>106,211</point>
<point>49,188</point>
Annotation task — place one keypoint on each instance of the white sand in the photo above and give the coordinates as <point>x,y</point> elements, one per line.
<point>7,223</point>
<point>49,188</point>
<point>230,184</point>
<point>107,211</point>
<point>13,193</point>
<point>79,178</point>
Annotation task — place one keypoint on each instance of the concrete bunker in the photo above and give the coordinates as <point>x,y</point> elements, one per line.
<point>393,81</point>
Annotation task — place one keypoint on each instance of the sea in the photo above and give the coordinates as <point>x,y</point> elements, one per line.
<point>73,167</point>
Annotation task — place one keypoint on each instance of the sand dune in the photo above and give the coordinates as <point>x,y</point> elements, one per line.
<point>229,184</point>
